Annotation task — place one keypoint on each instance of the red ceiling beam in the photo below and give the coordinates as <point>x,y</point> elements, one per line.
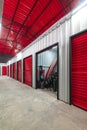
<point>13,17</point>
<point>26,18</point>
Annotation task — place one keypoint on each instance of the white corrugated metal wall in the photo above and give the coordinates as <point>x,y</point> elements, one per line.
<point>60,32</point>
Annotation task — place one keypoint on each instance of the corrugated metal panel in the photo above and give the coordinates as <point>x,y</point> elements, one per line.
<point>14,71</point>
<point>28,70</point>
<point>11,70</point>
<point>8,70</point>
<point>4,70</point>
<point>19,74</point>
<point>79,70</point>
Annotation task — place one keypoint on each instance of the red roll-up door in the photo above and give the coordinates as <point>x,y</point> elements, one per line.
<point>28,70</point>
<point>19,71</point>
<point>79,70</point>
<point>11,70</point>
<point>14,70</point>
<point>4,70</point>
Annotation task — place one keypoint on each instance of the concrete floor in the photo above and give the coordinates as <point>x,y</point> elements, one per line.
<point>24,108</point>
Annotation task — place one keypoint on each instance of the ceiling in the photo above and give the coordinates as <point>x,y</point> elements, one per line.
<point>24,20</point>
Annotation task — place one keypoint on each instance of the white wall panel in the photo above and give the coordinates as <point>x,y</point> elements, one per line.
<point>62,32</point>
<point>51,38</point>
<point>67,81</point>
<point>48,40</point>
<point>83,18</point>
<point>41,45</point>
<point>34,71</point>
<point>45,41</point>
<point>75,24</point>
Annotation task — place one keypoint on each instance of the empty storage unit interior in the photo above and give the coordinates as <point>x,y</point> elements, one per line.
<point>47,69</point>
<point>30,55</point>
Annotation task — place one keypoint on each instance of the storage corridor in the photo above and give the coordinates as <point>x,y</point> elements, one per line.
<point>24,108</point>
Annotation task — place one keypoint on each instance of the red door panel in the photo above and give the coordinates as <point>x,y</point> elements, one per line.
<point>19,71</point>
<point>14,70</point>
<point>11,70</point>
<point>28,70</point>
<point>79,70</point>
<point>4,70</point>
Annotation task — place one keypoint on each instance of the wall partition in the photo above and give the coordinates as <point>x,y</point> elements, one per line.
<point>19,71</point>
<point>14,70</point>
<point>11,70</point>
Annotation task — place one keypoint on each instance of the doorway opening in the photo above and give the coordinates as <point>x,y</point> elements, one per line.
<point>47,70</point>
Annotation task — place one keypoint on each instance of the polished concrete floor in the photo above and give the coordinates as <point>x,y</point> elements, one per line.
<point>24,108</point>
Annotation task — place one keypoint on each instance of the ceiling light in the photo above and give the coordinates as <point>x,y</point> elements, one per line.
<point>11,45</point>
<point>11,32</point>
<point>16,50</point>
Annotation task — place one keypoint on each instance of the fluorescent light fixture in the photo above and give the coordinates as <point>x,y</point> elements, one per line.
<point>79,7</point>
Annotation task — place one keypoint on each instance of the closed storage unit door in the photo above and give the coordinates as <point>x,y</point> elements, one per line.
<point>4,70</point>
<point>11,70</point>
<point>19,71</point>
<point>79,70</point>
<point>28,70</point>
<point>14,70</point>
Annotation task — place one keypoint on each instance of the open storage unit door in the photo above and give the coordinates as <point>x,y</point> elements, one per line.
<point>28,70</point>
<point>47,70</point>
<point>11,70</point>
<point>19,71</point>
<point>14,70</point>
<point>79,70</point>
<point>4,70</point>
